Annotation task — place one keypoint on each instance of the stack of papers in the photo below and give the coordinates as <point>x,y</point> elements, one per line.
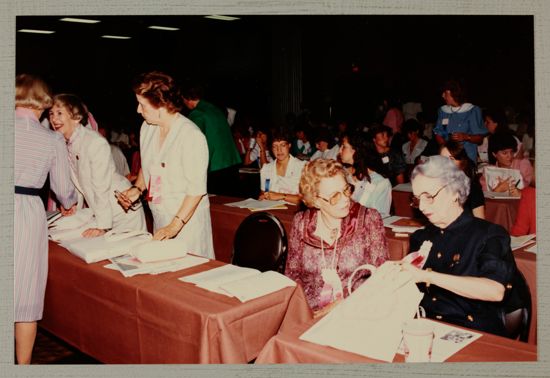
<point>243,283</point>
<point>402,224</point>
<point>257,205</point>
<point>516,242</point>
<point>448,340</point>
<point>499,195</point>
<point>130,266</point>
<point>71,227</point>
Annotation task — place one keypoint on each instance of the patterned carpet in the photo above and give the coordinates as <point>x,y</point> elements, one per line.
<point>48,349</point>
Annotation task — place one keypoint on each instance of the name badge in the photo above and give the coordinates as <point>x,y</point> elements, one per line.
<point>445,121</point>
<point>385,160</point>
<point>155,186</point>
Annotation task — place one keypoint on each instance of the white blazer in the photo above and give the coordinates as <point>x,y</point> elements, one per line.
<point>289,183</point>
<point>95,177</point>
<point>180,166</point>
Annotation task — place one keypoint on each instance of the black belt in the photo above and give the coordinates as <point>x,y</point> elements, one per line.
<point>27,191</point>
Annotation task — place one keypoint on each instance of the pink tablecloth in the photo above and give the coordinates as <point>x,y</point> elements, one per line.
<point>157,318</point>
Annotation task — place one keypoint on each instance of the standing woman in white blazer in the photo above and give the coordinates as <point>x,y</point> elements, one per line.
<point>92,169</point>
<point>174,164</point>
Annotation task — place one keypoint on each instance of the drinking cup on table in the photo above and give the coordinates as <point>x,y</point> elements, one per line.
<point>418,335</point>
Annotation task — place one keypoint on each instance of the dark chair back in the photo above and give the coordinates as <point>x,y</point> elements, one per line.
<point>516,312</point>
<point>260,243</point>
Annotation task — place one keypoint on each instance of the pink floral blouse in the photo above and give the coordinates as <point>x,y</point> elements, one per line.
<point>362,241</point>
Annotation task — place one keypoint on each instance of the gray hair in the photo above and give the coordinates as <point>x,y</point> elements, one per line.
<point>443,169</point>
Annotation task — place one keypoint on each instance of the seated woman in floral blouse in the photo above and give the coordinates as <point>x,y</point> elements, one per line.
<point>331,238</point>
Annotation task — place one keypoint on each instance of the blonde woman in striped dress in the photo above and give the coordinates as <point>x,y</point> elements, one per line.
<point>38,151</point>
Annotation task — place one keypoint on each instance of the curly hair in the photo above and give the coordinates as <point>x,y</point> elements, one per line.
<point>314,171</point>
<point>32,92</point>
<point>160,90</point>
<point>443,169</point>
<point>74,105</point>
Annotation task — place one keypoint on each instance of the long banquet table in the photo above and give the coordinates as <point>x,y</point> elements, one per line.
<point>286,347</point>
<point>157,318</point>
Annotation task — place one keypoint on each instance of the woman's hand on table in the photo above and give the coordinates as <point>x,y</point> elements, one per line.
<point>128,197</point>
<point>93,232</point>
<point>169,231</point>
<point>68,212</point>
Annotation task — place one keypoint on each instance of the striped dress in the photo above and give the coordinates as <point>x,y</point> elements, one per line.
<point>38,151</point>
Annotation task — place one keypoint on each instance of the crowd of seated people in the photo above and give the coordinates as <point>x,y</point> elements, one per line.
<point>343,173</point>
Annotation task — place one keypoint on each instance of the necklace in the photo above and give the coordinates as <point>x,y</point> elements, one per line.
<point>333,231</point>
<point>333,261</point>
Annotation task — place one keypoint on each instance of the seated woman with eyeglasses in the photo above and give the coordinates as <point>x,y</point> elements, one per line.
<point>370,188</point>
<point>331,238</point>
<point>470,266</point>
<point>279,179</point>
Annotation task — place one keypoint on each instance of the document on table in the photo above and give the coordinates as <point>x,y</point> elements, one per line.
<point>52,216</point>
<point>402,224</point>
<point>213,278</point>
<point>102,247</point>
<point>130,266</point>
<point>258,285</point>
<point>448,340</point>
<point>532,249</point>
<point>243,283</point>
<point>257,205</point>
<point>516,242</point>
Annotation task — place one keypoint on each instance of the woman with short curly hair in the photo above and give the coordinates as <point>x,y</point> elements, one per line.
<point>470,267</point>
<point>174,163</point>
<point>333,237</point>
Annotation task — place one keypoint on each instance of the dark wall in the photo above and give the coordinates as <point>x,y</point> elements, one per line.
<point>403,56</point>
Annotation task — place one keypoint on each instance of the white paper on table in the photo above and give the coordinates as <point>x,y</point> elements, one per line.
<point>257,285</point>
<point>405,187</point>
<point>257,205</point>
<point>532,249</point>
<point>72,234</point>
<point>448,340</point>
<point>213,278</point>
<point>369,321</point>
<point>101,247</point>
<point>130,266</point>
<point>158,250</point>
<point>389,222</point>
<point>77,220</point>
<point>516,242</point>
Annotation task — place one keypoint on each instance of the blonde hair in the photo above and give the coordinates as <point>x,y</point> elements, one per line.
<point>74,106</point>
<point>32,92</point>
<point>313,173</point>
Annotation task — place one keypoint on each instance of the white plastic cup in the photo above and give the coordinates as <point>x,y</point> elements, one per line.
<point>418,335</point>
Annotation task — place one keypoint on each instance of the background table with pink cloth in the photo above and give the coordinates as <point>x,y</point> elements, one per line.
<point>157,318</point>
<point>286,347</point>
<point>499,211</point>
<point>226,220</point>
